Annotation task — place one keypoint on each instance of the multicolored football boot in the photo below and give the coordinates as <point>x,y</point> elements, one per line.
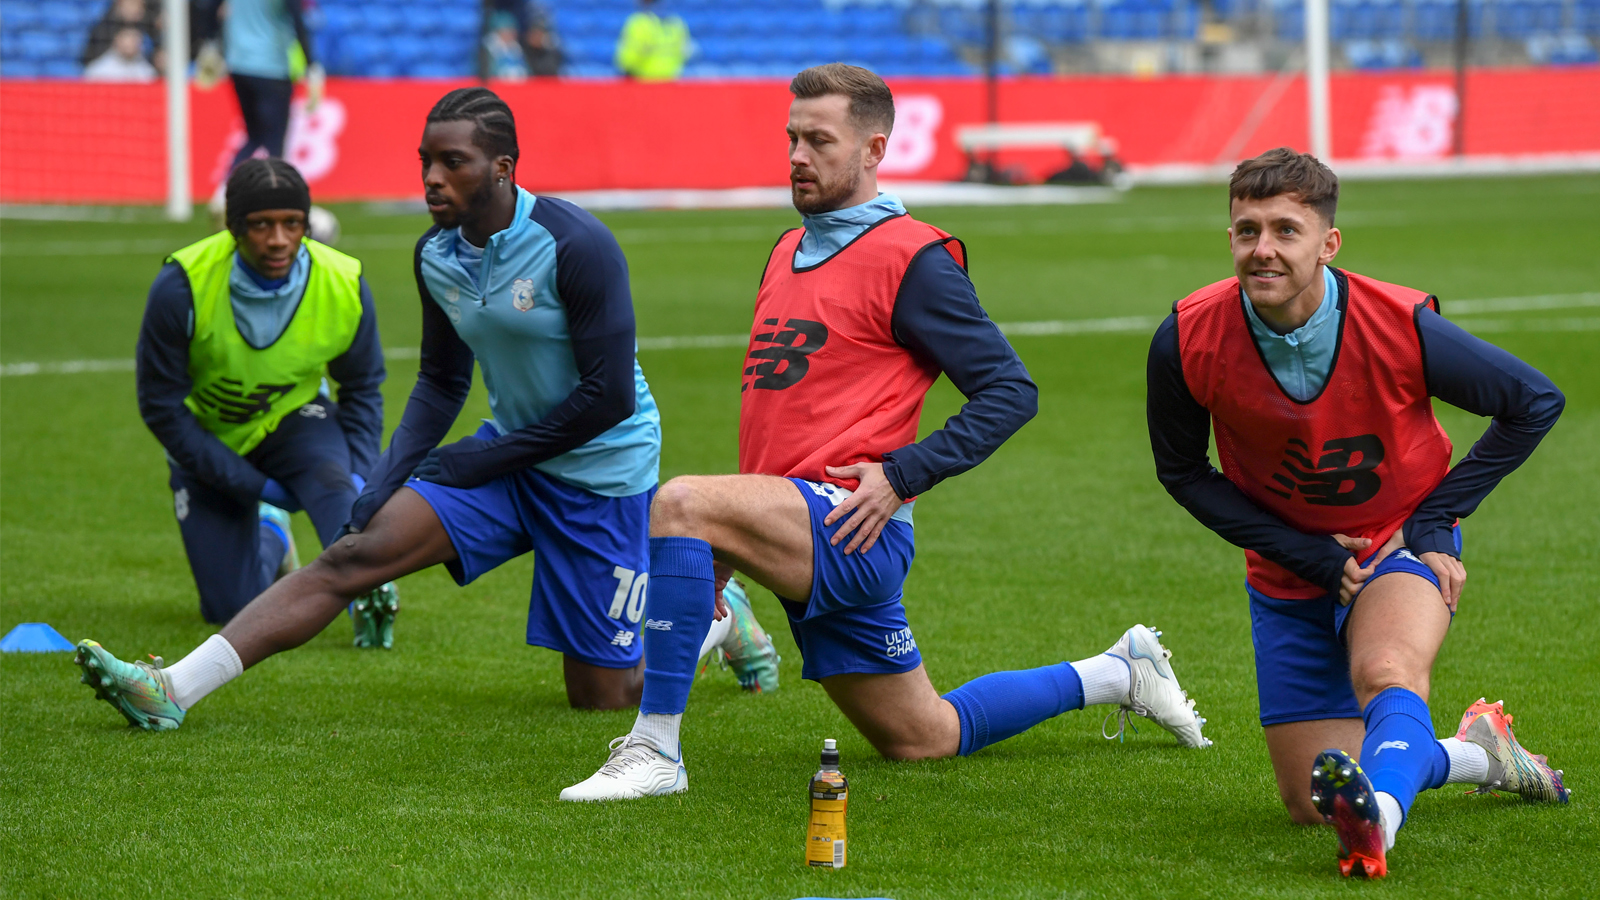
<point>747,649</point>
<point>1511,767</point>
<point>1344,796</point>
<point>278,520</point>
<point>372,617</point>
<point>139,690</point>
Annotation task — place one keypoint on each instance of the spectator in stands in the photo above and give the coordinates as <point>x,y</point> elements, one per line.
<point>123,14</point>
<point>503,49</point>
<point>540,47</point>
<point>124,61</point>
<point>652,48</point>
<point>541,50</point>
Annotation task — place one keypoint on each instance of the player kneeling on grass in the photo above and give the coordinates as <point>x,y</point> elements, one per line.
<point>536,290</point>
<point>239,330</point>
<point>1336,481</point>
<point>859,311</point>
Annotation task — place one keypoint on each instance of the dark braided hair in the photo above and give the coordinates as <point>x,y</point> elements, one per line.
<point>259,184</point>
<point>495,131</point>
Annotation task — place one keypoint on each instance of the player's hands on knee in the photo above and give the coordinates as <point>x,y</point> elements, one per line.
<point>444,464</point>
<point>1451,573</point>
<point>869,508</point>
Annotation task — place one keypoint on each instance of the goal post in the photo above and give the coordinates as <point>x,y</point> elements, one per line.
<point>1319,116</point>
<point>175,46</point>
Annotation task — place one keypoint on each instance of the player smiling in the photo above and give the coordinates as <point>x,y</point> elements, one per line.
<point>858,313</point>
<point>1336,481</point>
<point>536,291</point>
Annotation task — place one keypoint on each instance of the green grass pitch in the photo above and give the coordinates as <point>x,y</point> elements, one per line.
<point>433,769</point>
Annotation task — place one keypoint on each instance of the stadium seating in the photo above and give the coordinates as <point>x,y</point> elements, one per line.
<point>756,38</point>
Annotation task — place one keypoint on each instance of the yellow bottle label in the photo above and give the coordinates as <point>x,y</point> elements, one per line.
<point>825,838</point>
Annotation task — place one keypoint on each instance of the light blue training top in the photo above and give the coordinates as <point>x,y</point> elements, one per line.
<point>263,307</point>
<point>513,318</point>
<point>828,233</point>
<point>1302,358</point>
<point>256,38</point>
<point>470,257</point>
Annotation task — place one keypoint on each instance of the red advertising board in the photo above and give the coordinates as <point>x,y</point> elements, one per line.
<point>77,142</point>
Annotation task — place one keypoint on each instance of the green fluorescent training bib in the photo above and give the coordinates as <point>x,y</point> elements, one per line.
<point>240,394</point>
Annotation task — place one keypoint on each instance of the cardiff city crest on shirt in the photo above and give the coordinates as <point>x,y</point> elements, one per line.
<point>522,294</point>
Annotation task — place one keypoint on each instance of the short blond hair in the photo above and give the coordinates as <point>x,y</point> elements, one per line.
<point>871,103</point>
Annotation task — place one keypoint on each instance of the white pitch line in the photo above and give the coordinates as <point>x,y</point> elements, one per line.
<point>1113,325</point>
<point>1520,304</point>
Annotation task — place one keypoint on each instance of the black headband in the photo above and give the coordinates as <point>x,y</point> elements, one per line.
<point>244,199</point>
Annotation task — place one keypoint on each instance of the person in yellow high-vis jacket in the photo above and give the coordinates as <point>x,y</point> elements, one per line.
<point>652,47</point>
<point>241,332</point>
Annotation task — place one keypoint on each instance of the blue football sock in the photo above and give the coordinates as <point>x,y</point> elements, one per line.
<point>274,544</point>
<point>678,613</point>
<point>1400,754</point>
<point>1003,704</point>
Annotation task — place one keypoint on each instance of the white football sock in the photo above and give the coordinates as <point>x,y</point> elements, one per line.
<point>660,730</point>
<point>1469,763</point>
<point>717,634</point>
<point>208,667</point>
<point>1390,815</point>
<point>1105,679</point>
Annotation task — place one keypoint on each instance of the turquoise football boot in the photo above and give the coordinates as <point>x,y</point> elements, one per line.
<point>138,690</point>
<point>372,616</point>
<point>278,520</point>
<point>747,649</point>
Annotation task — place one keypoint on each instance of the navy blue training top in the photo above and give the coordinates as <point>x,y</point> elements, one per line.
<point>937,317</point>
<point>161,363</point>
<point>1462,370</point>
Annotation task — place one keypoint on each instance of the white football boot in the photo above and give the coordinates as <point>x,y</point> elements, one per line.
<point>634,769</point>
<point>1153,690</point>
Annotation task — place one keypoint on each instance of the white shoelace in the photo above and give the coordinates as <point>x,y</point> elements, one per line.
<point>625,754</point>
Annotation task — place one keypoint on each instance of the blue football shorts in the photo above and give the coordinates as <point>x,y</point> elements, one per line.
<point>591,556</point>
<point>853,622</point>
<point>1302,666</point>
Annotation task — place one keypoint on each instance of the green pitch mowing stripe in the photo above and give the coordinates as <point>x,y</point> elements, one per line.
<point>433,770</point>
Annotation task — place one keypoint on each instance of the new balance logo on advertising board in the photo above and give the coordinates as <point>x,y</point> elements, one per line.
<point>1341,476</point>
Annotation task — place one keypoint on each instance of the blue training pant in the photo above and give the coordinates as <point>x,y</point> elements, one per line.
<point>233,557</point>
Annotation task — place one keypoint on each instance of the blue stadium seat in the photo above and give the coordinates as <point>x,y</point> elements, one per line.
<point>381,18</point>
<point>41,46</point>
<point>1528,17</point>
<point>21,16</point>
<point>1569,49</point>
<point>19,68</point>
<point>60,68</point>
<point>359,52</point>
<point>592,50</point>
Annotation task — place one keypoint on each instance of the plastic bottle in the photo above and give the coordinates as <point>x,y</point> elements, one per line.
<point>830,793</point>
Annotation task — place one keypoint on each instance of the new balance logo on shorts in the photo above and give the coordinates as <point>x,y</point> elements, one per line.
<point>1406,554</point>
<point>1391,745</point>
<point>899,643</point>
<point>622,639</point>
<point>1333,480</point>
<point>658,624</point>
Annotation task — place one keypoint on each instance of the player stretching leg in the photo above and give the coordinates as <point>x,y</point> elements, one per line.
<point>1336,481</point>
<point>537,291</point>
<point>858,313</point>
<point>238,332</point>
